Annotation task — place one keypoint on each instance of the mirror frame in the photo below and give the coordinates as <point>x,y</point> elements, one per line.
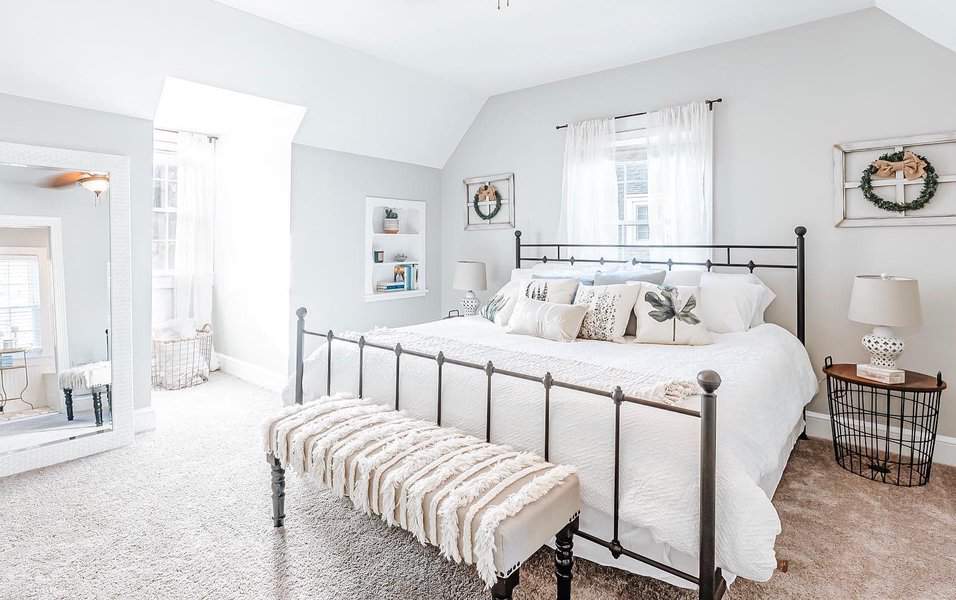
<point>120,306</point>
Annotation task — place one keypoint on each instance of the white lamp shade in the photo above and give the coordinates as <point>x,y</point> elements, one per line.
<point>885,300</point>
<point>470,275</point>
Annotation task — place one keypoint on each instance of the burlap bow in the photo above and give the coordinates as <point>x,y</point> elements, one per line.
<point>912,166</point>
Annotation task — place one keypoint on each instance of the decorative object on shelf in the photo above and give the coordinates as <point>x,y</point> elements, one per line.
<point>489,202</point>
<point>401,257</point>
<point>884,432</point>
<point>470,276</point>
<point>378,256</point>
<point>390,222</point>
<point>884,301</point>
<point>889,171</point>
<point>913,166</point>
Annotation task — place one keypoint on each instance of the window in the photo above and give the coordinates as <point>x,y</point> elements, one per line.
<point>20,299</point>
<point>165,190</point>
<point>631,158</point>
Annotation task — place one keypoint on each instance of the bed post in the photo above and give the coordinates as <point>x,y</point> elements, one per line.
<point>707,572</point>
<point>299,343</point>
<point>517,248</point>
<point>278,490</point>
<point>801,285</point>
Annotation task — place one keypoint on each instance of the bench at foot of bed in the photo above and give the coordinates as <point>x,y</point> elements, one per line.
<point>479,503</point>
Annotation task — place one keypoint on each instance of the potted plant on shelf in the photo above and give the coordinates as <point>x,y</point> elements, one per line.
<point>390,222</point>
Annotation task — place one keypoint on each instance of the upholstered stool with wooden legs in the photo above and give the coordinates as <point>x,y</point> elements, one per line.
<point>479,503</point>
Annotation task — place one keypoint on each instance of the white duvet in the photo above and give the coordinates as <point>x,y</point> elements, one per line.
<point>767,380</point>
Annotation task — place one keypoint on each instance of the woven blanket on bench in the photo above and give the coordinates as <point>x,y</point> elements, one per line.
<point>449,489</point>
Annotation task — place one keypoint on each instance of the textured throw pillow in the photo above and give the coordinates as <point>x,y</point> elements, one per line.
<point>728,307</point>
<point>499,307</point>
<point>609,309</point>
<point>559,291</point>
<point>670,315</point>
<point>624,276</point>
<point>548,320</point>
<point>766,299</point>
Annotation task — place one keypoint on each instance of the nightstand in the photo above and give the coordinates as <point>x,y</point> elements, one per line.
<point>884,432</point>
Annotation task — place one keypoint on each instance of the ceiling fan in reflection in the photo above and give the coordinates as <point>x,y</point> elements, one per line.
<point>94,182</point>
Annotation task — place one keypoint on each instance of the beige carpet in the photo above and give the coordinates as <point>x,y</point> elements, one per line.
<point>185,513</point>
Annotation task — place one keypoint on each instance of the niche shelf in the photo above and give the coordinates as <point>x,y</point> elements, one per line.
<point>410,241</point>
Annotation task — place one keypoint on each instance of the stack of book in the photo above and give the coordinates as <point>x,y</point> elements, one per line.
<point>406,279</point>
<point>390,286</point>
<point>881,374</point>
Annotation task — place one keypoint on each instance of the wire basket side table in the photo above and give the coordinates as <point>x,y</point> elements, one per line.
<point>884,432</point>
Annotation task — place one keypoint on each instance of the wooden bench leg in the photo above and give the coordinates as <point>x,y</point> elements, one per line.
<point>68,402</point>
<point>505,586</point>
<point>278,491</point>
<point>564,559</point>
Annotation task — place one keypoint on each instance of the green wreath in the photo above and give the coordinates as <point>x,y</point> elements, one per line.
<point>930,183</point>
<point>477,206</point>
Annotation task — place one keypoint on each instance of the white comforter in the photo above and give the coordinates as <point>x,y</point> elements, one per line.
<point>767,379</point>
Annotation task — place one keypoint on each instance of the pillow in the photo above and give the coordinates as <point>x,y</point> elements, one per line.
<point>522,274</point>
<point>623,276</point>
<point>559,291</point>
<point>768,294</point>
<point>609,309</point>
<point>584,278</point>
<point>728,307</point>
<point>558,322</point>
<point>669,315</point>
<point>499,307</point>
<point>683,277</point>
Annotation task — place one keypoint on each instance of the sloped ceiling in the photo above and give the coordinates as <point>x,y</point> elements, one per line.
<point>114,55</point>
<point>936,19</point>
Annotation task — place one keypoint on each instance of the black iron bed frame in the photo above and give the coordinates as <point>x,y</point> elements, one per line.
<point>711,584</point>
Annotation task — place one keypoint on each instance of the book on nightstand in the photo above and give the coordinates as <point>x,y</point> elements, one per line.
<point>881,374</point>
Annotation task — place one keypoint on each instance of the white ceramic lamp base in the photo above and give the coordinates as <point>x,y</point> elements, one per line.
<point>470,304</point>
<point>884,347</point>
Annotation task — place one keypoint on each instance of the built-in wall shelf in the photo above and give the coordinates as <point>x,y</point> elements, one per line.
<point>403,252</point>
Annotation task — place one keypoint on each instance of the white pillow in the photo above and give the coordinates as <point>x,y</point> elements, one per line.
<point>559,291</point>
<point>499,307</point>
<point>683,277</point>
<point>609,309</point>
<point>523,274</point>
<point>728,307</point>
<point>558,322</point>
<point>670,315</point>
<point>765,300</point>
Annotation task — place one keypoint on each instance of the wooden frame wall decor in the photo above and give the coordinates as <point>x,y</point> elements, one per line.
<point>851,209</point>
<point>505,218</point>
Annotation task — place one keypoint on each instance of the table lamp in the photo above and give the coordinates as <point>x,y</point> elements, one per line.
<point>884,301</point>
<point>469,276</point>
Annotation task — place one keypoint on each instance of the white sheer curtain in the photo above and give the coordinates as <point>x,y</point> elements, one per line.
<point>680,152</point>
<point>589,211</point>
<point>195,211</point>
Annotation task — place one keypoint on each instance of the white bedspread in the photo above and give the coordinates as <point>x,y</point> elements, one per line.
<point>767,379</point>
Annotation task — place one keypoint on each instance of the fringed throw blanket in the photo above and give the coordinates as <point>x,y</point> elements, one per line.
<point>447,488</point>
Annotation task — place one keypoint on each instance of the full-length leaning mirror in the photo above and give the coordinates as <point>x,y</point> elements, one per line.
<point>64,308</point>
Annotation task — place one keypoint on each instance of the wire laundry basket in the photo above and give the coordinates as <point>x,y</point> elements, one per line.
<point>182,362</point>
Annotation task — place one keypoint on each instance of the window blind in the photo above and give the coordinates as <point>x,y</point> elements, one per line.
<point>20,300</point>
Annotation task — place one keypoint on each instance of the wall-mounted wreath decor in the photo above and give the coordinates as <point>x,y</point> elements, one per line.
<point>913,166</point>
<point>490,202</point>
<point>902,181</point>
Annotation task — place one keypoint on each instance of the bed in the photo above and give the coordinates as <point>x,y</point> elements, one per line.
<point>661,497</point>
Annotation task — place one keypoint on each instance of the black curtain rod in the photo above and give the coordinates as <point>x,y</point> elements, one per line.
<point>710,106</point>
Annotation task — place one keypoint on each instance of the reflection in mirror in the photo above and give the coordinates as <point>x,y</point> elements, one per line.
<point>55,376</point>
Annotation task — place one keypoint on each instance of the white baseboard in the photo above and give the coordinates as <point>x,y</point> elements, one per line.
<point>254,374</point>
<point>818,426</point>
<point>144,419</point>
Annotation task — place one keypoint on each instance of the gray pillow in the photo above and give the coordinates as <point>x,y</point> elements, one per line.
<point>583,278</point>
<point>617,277</point>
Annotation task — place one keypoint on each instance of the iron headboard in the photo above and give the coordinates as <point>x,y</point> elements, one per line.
<point>799,264</point>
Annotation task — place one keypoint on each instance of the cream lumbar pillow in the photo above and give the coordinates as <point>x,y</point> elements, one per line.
<point>499,307</point>
<point>610,307</point>
<point>560,291</point>
<point>668,315</point>
<point>558,322</point>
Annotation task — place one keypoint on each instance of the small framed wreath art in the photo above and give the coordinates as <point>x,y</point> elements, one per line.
<point>898,181</point>
<point>489,202</point>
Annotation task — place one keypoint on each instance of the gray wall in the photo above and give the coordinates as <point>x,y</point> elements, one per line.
<point>85,257</point>
<point>788,97</point>
<point>328,238</point>
<point>29,121</point>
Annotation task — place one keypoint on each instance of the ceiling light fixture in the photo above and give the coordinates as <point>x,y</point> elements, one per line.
<point>96,184</point>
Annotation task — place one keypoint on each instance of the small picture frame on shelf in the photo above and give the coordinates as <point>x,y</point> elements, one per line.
<point>490,202</point>
<point>378,256</point>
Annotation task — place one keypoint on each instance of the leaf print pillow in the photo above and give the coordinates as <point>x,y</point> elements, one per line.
<point>609,309</point>
<point>499,307</point>
<point>670,315</point>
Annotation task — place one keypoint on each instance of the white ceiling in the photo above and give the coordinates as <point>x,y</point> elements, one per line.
<point>471,43</point>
